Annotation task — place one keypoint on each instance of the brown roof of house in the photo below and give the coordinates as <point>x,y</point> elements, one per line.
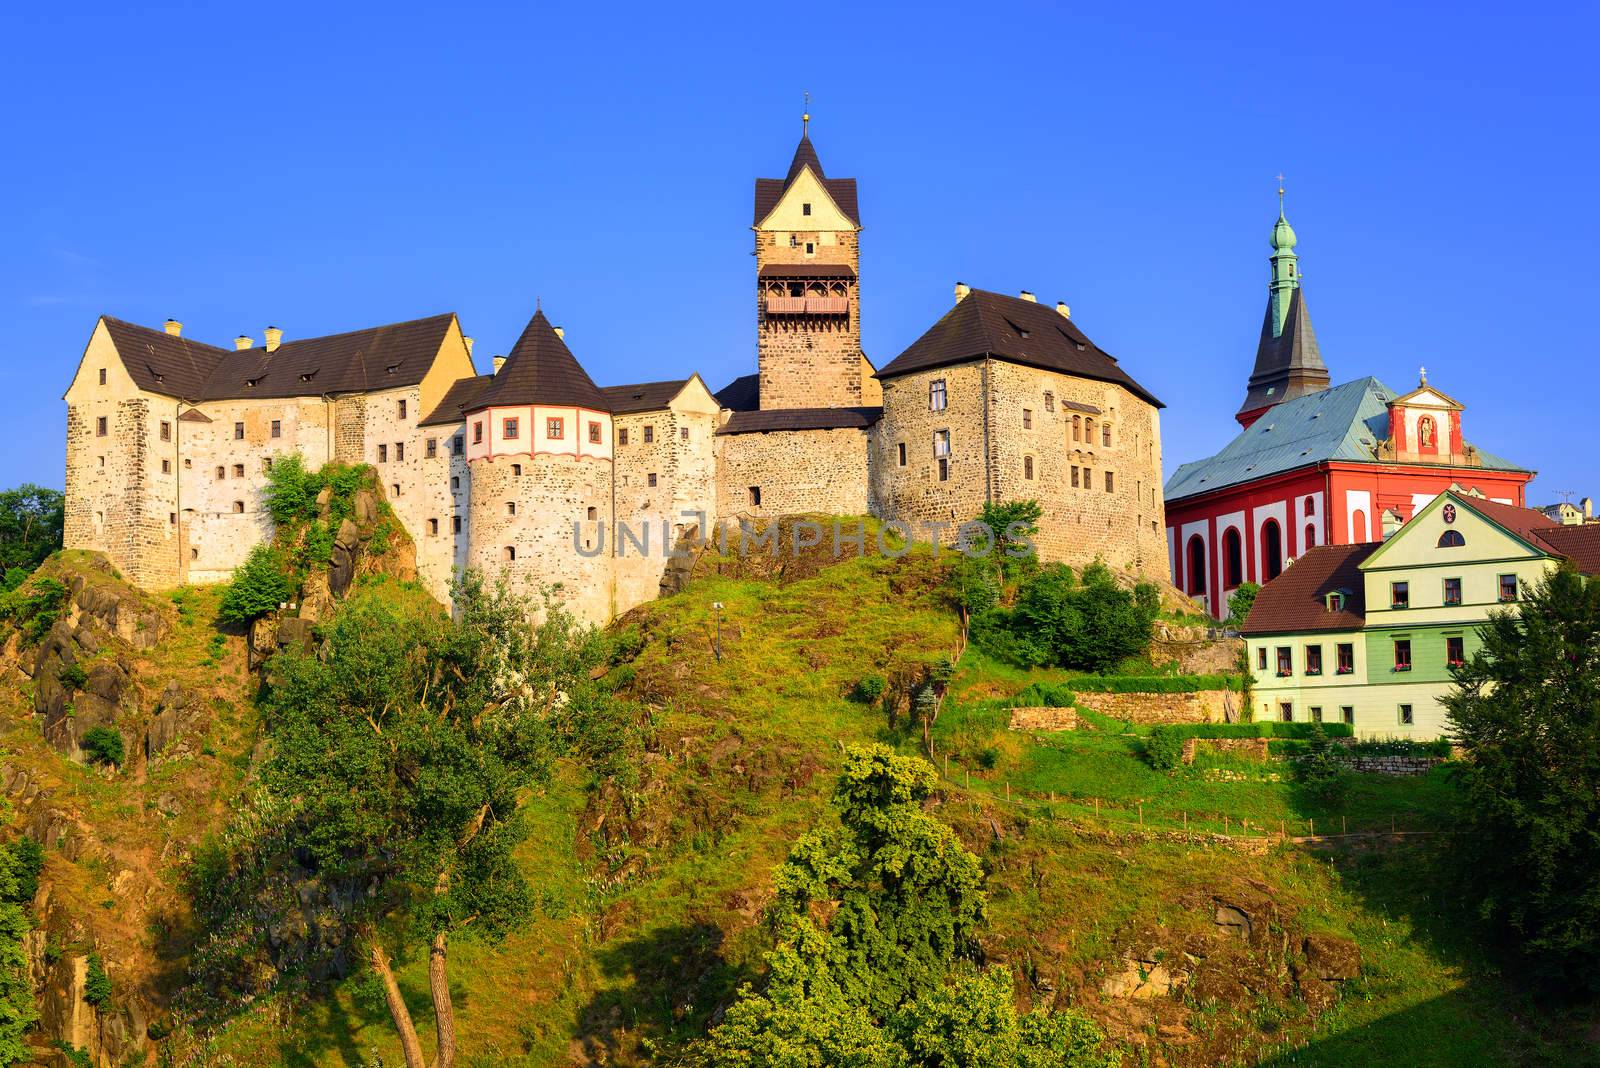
<point>643,396</point>
<point>808,269</point>
<point>770,190</point>
<point>462,395</point>
<point>743,394</point>
<point>540,369</point>
<point>1581,545</point>
<point>1010,328</point>
<point>380,357</point>
<point>158,362</point>
<point>1296,600</point>
<point>1525,523</point>
<point>764,421</point>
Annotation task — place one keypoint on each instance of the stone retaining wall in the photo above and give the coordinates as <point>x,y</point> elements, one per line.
<point>1248,748</point>
<point>1204,706</point>
<point>1044,719</point>
<point>1394,765</point>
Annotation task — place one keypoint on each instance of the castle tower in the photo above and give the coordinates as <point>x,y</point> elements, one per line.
<point>808,305</point>
<point>1288,362</point>
<point>539,450</point>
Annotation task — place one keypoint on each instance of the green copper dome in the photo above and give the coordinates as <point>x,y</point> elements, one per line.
<point>1283,238</point>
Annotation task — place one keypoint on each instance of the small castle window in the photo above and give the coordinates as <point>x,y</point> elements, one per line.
<point>1027,467</point>
<point>102,376</point>
<point>394,489</point>
<point>238,432</point>
<point>944,469</point>
<point>936,395</point>
<point>516,469</point>
<point>383,454</point>
<point>186,462</point>
<point>1027,418</point>
<point>649,434</point>
<point>805,208</point>
<point>477,432</point>
<point>194,554</point>
<point>102,461</point>
<point>166,430</point>
<point>755,496</point>
<point>511,508</point>
<point>1049,401</point>
<point>941,443</point>
<point>455,524</point>
<point>683,433</point>
<point>166,467</point>
<point>458,445</point>
<point>433,526</point>
<point>1105,435</point>
<point>594,433</point>
<point>238,470</point>
<point>401,406</point>
<point>172,518</point>
<point>277,428</point>
<point>222,472</point>
<point>901,450</point>
<point>1075,484</point>
<point>430,448</point>
<point>238,506</point>
<point>100,519</point>
<point>810,249</point>
<point>1077,428</point>
<point>622,435</point>
<point>455,482</point>
<point>509,429</point>
<point>100,427</point>
<point>593,514</point>
<point>651,479</point>
<point>1088,430</point>
<point>1111,485</point>
<point>510,553</point>
<point>266,465</point>
<point>399,451</point>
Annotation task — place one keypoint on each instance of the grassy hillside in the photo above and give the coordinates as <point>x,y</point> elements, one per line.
<point>651,895</point>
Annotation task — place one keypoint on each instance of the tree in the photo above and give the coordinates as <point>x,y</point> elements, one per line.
<point>1090,625</point>
<point>291,491</point>
<point>1240,602</point>
<point>20,863</point>
<point>31,520</point>
<point>876,958</point>
<point>1526,708</point>
<point>402,758</point>
<point>259,585</point>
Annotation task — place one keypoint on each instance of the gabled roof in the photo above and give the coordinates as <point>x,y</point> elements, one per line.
<point>644,396</point>
<point>1526,523</point>
<point>760,422</point>
<point>380,357</point>
<point>770,190</point>
<point>1346,422</point>
<point>1423,389</point>
<point>1581,545</point>
<point>1010,328</point>
<point>1288,365</point>
<point>1297,600</point>
<point>540,369</point>
<point>158,362</point>
<point>462,396</point>
<point>743,394</point>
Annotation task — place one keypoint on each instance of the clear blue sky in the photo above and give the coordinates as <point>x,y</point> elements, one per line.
<point>327,167</point>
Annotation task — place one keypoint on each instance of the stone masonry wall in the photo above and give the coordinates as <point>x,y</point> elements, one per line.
<point>681,457</point>
<point>913,492</point>
<point>809,361</point>
<point>550,494</point>
<point>798,471</point>
<point>1205,706</point>
<point>1044,719</point>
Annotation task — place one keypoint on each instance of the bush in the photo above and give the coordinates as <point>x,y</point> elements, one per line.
<point>259,585</point>
<point>869,689</point>
<point>291,492</point>
<point>1045,695</point>
<point>73,676</point>
<point>36,609</point>
<point>1164,748</point>
<point>103,745</point>
<point>1322,768</point>
<point>1092,625</point>
<point>96,983</point>
<point>1240,602</point>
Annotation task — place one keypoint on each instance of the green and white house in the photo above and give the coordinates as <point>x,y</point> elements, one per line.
<point>1367,634</point>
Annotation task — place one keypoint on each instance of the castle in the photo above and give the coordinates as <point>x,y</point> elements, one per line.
<point>534,471</point>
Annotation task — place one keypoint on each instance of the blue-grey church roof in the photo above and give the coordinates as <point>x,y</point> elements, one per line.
<point>1346,422</point>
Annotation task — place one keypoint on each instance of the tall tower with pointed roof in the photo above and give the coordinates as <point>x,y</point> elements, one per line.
<point>1288,362</point>
<point>808,307</point>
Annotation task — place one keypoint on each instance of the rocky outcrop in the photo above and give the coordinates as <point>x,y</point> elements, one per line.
<point>178,719</point>
<point>79,681</point>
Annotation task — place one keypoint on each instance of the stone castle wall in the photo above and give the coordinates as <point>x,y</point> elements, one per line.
<point>912,492</point>
<point>797,471</point>
<point>680,458</point>
<point>809,361</point>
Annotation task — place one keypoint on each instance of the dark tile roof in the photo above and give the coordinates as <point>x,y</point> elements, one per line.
<point>462,395</point>
<point>1296,601</point>
<point>1525,523</point>
<point>770,190</point>
<point>761,422</point>
<point>806,270</point>
<point>540,369</point>
<point>1010,328</point>
<point>1581,545</point>
<point>642,397</point>
<point>379,357</point>
<point>743,394</point>
<point>161,363</point>
<point>1289,365</point>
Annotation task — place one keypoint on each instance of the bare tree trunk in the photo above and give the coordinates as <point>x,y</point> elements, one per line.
<point>397,1006</point>
<point>444,1011</point>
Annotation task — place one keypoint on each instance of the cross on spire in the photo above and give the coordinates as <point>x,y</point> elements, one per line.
<point>1280,192</point>
<point>805,116</point>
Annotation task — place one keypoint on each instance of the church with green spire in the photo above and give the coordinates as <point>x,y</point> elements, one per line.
<point>1288,362</point>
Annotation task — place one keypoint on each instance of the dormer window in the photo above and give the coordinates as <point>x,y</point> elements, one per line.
<point>251,382</point>
<point>307,376</point>
<point>391,369</point>
<point>1336,601</point>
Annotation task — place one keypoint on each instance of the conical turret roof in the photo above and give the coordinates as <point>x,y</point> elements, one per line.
<point>540,369</point>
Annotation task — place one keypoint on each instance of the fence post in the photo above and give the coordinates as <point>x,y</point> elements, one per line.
<point>1313,822</point>
<point>1141,813</point>
<point>1224,823</point>
<point>1283,832</point>
<point>1008,789</point>
<point>1185,823</point>
<point>1344,827</point>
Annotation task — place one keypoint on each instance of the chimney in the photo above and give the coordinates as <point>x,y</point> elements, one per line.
<point>1029,297</point>
<point>1066,312</point>
<point>242,342</point>
<point>173,327</point>
<point>561,332</point>
<point>1588,507</point>
<point>467,341</point>
<point>499,362</point>
<point>962,289</point>
<point>274,338</point>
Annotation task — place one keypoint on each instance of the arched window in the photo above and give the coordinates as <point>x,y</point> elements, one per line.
<point>1232,558</point>
<point>511,553</point>
<point>1077,428</point>
<point>1311,506</point>
<point>1358,523</point>
<point>1088,429</point>
<point>1271,550</point>
<point>1451,539</point>
<point>1197,564</point>
<point>1311,537</point>
<point>1027,467</point>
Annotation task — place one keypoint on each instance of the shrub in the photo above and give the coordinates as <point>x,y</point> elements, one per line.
<point>1322,768</point>
<point>1045,695</point>
<point>291,492</point>
<point>1164,748</point>
<point>73,676</point>
<point>96,983</point>
<point>26,861</point>
<point>869,689</point>
<point>1092,625</point>
<point>103,745</point>
<point>14,577</point>
<point>1240,603</point>
<point>36,609</point>
<point>259,585</point>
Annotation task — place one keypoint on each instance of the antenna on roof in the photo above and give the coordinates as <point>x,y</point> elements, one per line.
<point>805,116</point>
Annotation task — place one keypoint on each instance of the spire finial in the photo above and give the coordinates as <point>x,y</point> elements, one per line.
<point>805,116</point>
<point>1280,194</point>
<point>1423,373</point>
<point>538,304</point>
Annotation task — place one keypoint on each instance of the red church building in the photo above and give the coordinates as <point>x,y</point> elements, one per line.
<point>1315,464</point>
